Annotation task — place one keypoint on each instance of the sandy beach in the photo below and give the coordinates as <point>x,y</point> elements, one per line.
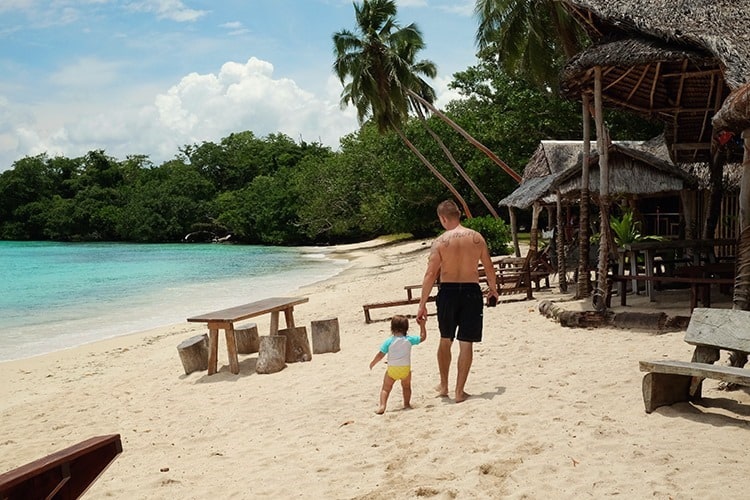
<point>555,412</point>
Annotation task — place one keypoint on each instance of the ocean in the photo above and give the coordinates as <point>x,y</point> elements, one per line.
<point>59,295</point>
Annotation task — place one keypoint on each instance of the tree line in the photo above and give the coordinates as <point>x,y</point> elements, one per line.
<point>276,191</point>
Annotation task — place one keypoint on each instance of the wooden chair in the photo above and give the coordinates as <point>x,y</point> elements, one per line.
<point>514,277</point>
<point>63,475</point>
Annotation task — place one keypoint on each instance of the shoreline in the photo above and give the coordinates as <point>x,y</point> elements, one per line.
<point>555,412</point>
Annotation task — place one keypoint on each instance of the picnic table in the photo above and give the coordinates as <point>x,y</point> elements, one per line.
<point>226,318</point>
<point>702,249</point>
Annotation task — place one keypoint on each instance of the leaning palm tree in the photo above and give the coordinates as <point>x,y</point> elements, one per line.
<point>421,97</point>
<point>376,77</point>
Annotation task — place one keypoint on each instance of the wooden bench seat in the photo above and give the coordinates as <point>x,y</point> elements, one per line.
<point>710,331</point>
<point>67,473</point>
<point>391,303</point>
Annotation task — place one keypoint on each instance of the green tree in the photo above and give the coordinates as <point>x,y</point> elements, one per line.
<point>532,38</point>
<point>376,76</point>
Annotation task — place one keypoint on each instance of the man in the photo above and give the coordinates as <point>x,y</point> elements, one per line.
<point>454,257</point>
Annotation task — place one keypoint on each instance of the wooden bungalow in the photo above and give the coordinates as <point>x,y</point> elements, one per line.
<point>671,61</point>
<point>642,175</point>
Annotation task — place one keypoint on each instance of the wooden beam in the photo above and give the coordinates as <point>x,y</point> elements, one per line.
<point>653,85</point>
<point>685,146</point>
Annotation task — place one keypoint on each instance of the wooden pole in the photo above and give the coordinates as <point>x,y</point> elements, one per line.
<point>584,282</point>
<point>600,294</point>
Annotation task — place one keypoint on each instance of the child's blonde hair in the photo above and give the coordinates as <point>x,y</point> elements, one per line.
<point>399,324</point>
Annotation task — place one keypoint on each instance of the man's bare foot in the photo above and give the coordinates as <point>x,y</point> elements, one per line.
<point>380,410</point>
<point>442,391</point>
<point>407,406</point>
<point>463,397</point>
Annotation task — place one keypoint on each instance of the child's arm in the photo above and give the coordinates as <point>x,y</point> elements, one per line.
<point>377,358</point>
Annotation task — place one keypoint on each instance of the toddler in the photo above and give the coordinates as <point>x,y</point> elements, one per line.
<point>398,349</point>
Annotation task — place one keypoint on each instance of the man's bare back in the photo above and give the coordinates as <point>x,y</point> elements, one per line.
<point>460,250</point>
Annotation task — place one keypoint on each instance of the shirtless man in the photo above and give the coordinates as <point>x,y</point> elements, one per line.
<point>454,257</point>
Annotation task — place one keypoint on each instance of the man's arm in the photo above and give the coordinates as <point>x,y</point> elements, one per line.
<point>430,276</point>
<point>489,269</point>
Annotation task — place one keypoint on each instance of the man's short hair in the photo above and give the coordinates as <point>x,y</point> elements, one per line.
<point>449,210</point>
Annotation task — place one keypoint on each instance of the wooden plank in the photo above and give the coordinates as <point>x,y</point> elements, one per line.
<point>67,473</point>
<point>724,328</point>
<point>245,311</point>
<point>731,374</point>
<point>393,303</point>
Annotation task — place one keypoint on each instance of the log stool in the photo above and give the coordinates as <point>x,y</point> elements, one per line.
<point>271,354</point>
<point>194,353</point>
<point>325,335</point>
<point>297,345</point>
<point>246,336</point>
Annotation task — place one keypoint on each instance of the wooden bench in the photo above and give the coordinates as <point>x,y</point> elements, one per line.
<point>410,299</point>
<point>226,318</point>
<point>710,331</point>
<point>64,474</point>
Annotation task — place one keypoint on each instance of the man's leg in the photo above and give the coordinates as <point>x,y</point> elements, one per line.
<point>444,364</point>
<point>465,357</point>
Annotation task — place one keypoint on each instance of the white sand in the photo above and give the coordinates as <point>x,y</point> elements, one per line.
<point>555,413</point>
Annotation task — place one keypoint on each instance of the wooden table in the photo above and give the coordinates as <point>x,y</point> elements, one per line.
<point>226,318</point>
<point>650,248</point>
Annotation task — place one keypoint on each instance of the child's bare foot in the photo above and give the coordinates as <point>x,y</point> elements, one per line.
<point>442,391</point>
<point>380,410</point>
<point>460,398</point>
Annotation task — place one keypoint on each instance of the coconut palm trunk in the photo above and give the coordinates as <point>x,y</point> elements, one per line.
<point>466,136</point>
<point>434,171</point>
<point>453,161</point>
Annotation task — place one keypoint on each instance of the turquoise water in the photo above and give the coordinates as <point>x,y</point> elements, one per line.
<point>59,295</point>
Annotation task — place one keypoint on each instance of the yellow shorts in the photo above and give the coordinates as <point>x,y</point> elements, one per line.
<point>398,372</point>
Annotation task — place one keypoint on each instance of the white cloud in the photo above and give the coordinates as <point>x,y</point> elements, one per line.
<point>197,108</point>
<point>235,28</point>
<point>174,10</point>
<point>200,107</point>
<point>86,72</point>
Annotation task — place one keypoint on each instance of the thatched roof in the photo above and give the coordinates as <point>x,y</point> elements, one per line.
<point>635,168</point>
<point>719,27</point>
<point>681,88</point>
<point>674,60</point>
<point>552,157</point>
<point>734,115</point>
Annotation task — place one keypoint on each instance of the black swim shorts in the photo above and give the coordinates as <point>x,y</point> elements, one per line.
<point>459,311</point>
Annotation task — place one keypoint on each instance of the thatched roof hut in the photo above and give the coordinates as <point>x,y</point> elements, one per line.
<point>718,27</point>
<point>637,168</point>
<point>673,61</point>
<point>680,87</point>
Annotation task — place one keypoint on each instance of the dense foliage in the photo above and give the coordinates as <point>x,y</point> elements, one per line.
<point>272,190</point>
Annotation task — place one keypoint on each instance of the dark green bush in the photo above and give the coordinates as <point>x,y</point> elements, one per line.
<point>496,233</point>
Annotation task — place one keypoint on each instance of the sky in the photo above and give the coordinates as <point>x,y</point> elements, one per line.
<point>147,77</point>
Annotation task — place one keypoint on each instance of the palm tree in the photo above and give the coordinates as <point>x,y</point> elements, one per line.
<point>420,99</point>
<point>376,76</point>
<point>529,37</point>
<point>533,38</point>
